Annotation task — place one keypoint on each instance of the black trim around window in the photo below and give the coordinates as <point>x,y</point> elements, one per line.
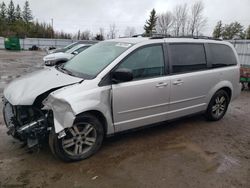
<point>183,43</point>
<point>168,60</point>
<point>107,78</point>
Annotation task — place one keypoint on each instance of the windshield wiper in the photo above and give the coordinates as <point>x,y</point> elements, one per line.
<point>62,69</point>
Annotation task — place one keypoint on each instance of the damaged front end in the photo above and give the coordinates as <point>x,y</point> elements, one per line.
<point>29,124</point>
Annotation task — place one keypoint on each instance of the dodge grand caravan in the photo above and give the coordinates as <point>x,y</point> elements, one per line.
<point>118,85</point>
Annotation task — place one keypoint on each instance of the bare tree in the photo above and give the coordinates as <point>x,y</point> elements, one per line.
<point>85,35</point>
<point>197,20</point>
<point>184,18</point>
<point>180,19</point>
<point>112,31</point>
<point>129,31</point>
<point>164,23</point>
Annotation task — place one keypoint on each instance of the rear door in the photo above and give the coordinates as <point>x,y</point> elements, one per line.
<point>190,78</point>
<point>144,100</point>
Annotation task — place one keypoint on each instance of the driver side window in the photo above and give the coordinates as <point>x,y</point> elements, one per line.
<point>145,62</point>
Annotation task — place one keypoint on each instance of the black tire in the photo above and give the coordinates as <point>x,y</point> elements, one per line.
<point>58,146</point>
<point>215,115</point>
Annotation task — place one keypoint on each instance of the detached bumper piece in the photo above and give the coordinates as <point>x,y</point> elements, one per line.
<point>26,123</point>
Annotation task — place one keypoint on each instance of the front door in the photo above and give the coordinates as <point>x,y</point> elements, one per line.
<point>144,100</point>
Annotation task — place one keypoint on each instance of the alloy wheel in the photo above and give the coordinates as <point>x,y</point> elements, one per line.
<point>79,139</point>
<point>219,106</point>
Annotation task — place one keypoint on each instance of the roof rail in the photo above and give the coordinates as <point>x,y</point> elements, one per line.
<point>162,36</point>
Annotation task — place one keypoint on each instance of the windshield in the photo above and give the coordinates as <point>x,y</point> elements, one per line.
<point>70,46</point>
<point>71,50</point>
<point>93,60</point>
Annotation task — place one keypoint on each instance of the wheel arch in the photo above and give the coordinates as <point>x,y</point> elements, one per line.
<point>224,85</point>
<point>228,90</point>
<point>100,116</point>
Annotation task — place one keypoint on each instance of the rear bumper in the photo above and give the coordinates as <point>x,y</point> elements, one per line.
<point>237,91</point>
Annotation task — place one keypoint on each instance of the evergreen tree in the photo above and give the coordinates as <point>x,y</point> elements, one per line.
<point>150,25</point>
<point>218,30</point>
<point>11,12</point>
<point>15,22</point>
<point>99,37</point>
<point>233,30</point>
<point>3,11</point>
<point>248,32</point>
<point>18,13</point>
<point>27,14</point>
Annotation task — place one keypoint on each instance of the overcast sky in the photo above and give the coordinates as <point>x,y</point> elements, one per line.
<point>72,15</point>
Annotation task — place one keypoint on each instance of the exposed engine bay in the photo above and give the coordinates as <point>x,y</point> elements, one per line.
<point>28,124</point>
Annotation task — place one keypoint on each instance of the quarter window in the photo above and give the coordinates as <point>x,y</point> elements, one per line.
<point>222,55</point>
<point>146,62</point>
<point>187,57</point>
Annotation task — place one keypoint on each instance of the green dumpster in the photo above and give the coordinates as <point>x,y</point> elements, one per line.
<point>12,43</point>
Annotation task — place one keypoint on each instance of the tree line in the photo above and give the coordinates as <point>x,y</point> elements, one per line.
<point>184,20</point>
<point>17,21</point>
<point>230,31</point>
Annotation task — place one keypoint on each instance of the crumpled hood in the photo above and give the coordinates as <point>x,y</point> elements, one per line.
<point>24,90</point>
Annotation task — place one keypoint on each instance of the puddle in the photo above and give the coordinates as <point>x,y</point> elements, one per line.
<point>219,163</point>
<point>206,155</point>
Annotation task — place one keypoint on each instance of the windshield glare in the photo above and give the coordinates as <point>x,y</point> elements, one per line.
<point>70,45</point>
<point>93,60</point>
<point>74,48</point>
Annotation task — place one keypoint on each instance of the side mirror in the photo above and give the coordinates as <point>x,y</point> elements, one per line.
<point>75,52</point>
<point>122,75</point>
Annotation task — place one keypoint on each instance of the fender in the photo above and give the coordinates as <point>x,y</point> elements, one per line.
<point>218,86</point>
<point>65,108</point>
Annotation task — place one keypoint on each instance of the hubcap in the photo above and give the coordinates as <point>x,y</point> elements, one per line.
<point>219,106</point>
<point>79,139</point>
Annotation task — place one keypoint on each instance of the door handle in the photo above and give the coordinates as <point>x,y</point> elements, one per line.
<point>178,82</point>
<point>161,84</point>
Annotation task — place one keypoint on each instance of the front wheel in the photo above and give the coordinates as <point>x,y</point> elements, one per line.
<point>218,106</point>
<point>82,140</point>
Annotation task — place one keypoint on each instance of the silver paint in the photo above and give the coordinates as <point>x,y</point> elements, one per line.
<point>126,105</point>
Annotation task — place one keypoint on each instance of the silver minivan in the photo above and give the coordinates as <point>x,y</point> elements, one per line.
<point>117,85</point>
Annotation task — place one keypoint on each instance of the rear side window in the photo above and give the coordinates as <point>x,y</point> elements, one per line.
<point>187,57</point>
<point>222,55</point>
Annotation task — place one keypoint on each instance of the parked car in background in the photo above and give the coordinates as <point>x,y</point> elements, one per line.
<point>62,57</point>
<point>117,85</point>
<point>64,49</point>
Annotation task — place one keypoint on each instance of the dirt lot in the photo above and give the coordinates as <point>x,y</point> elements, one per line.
<point>190,152</point>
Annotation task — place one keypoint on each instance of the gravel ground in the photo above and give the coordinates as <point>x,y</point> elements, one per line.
<point>189,152</point>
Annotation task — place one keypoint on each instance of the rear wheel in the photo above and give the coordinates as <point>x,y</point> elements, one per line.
<point>218,106</point>
<point>82,140</point>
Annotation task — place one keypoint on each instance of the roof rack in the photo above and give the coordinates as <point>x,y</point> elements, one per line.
<point>160,36</point>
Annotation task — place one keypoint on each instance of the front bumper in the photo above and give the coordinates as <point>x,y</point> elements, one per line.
<point>26,123</point>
